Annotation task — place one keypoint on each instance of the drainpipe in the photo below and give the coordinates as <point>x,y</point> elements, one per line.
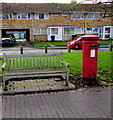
<point>85,23</point>
<point>32,27</point>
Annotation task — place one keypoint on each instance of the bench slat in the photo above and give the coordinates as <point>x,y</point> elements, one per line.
<point>28,62</point>
<point>18,63</point>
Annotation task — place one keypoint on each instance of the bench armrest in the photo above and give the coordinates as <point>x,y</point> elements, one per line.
<point>65,63</point>
<point>3,66</point>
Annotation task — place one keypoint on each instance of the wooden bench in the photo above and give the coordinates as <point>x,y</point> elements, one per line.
<point>42,65</point>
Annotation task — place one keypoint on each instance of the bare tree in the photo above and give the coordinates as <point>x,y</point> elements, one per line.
<point>108,10</point>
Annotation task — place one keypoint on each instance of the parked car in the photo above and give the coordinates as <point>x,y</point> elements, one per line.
<point>12,36</point>
<point>7,41</point>
<point>77,44</point>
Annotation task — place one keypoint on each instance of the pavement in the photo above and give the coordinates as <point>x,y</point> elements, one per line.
<point>82,103</point>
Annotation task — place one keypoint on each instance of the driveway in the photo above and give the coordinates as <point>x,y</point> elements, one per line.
<point>82,103</point>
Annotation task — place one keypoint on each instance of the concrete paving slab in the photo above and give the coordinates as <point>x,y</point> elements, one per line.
<point>82,103</point>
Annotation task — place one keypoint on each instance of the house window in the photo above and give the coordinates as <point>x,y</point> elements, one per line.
<point>23,16</point>
<point>92,30</point>
<point>65,14</point>
<point>101,32</point>
<point>6,16</point>
<point>69,31</point>
<point>54,31</point>
<point>105,32</point>
<point>40,31</point>
<point>54,14</point>
<point>79,31</point>
<point>93,15</point>
<point>77,16</point>
<point>41,16</point>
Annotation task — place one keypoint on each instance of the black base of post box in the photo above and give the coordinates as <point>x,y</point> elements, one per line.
<point>89,81</point>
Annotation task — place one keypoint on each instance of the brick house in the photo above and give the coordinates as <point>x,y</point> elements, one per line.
<point>38,22</point>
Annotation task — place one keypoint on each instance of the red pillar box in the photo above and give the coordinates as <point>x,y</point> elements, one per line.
<point>89,56</point>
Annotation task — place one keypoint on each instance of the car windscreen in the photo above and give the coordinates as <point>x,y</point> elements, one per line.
<point>6,39</point>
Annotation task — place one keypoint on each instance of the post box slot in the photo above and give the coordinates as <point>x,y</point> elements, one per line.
<point>93,46</point>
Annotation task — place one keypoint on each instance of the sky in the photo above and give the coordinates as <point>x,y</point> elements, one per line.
<point>38,1</point>
<point>47,1</point>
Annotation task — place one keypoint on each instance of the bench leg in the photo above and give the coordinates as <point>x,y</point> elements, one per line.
<point>67,79</point>
<point>4,84</point>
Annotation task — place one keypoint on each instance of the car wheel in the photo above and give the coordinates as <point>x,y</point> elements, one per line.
<point>77,47</point>
<point>11,45</point>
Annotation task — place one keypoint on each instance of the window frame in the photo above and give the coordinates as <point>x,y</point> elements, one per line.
<point>77,14</point>
<point>103,33</point>
<point>54,14</point>
<point>46,16</point>
<point>40,31</point>
<point>10,16</point>
<point>79,30</point>
<point>93,16</point>
<point>107,33</point>
<point>19,16</point>
<point>91,30</point>
<point>70,32</point>
<point>65,14</point>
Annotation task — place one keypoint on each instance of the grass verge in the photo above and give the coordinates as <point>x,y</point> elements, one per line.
<point>104,73</point>
<point>59,43</point>
<point>40,44</point>
<point>75,61</point>
<point>105,42</point>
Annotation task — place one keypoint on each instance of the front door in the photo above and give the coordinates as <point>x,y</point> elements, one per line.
<point>55,31</point>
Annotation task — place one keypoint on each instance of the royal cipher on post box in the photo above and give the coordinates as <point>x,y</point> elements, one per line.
<point>89,56</point>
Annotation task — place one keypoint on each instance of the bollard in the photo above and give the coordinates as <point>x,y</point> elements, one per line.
<point>69,50</point>
<point>45,49</point>
<point>110,47</point>
<point>21,49</point>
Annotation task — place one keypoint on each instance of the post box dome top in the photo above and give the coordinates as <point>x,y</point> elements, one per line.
<point>90,37</point>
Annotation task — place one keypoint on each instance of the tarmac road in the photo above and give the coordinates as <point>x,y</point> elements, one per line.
<point>30,49</point>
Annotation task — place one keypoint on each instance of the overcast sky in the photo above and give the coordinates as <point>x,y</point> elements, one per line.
<point>46,1</point>
<point>38,1</point>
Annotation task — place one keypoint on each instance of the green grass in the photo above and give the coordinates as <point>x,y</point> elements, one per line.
<point>40,44</point>
<point>104,61</point>
<point>43,44</point>
<point>75,61</point>
<point>105,42</point>
<point>59,43</point>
